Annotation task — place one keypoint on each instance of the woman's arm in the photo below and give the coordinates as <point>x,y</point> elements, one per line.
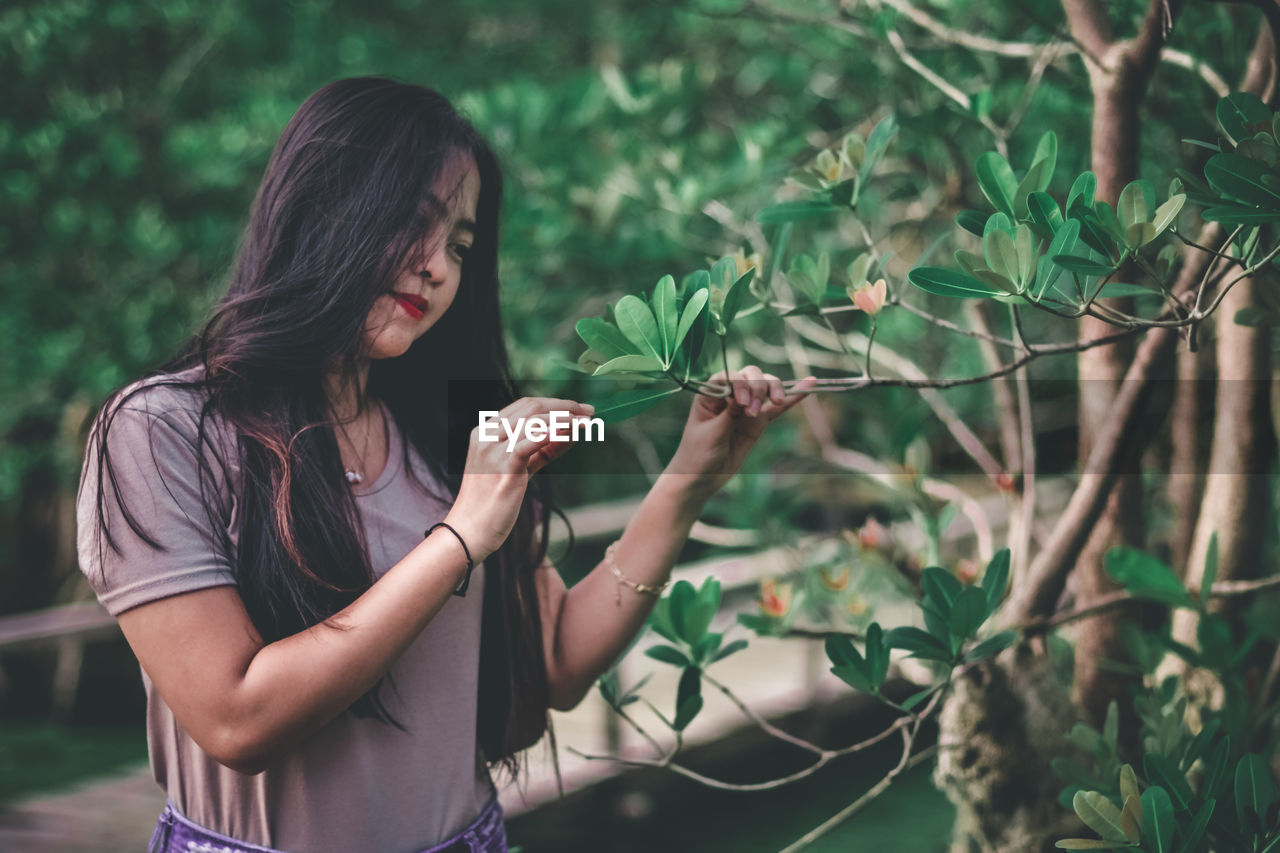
<point>587,627</point>
<point>245,701</point>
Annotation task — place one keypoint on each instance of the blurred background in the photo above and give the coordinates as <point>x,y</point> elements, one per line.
<point>638,138</point>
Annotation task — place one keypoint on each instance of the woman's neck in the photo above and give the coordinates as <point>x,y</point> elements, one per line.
<point>346,391</point>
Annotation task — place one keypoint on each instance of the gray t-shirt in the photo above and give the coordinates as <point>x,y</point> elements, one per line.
<point>357,784</point>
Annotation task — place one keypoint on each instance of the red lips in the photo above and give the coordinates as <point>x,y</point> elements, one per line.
<point>413,304</point>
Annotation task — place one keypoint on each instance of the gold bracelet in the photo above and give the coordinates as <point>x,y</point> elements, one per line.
<point>644,588</point>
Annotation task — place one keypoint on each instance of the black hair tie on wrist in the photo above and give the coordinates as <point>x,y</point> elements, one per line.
<point>462,587</point>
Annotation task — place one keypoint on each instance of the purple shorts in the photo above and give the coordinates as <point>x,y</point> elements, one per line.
<point>175,834</point>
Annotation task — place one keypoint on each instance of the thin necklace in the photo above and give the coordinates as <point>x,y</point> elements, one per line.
<point>355,476</point>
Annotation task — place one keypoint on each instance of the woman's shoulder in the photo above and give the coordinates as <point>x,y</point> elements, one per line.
<point>173,403</point>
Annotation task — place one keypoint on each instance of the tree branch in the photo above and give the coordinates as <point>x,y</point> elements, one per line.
<point>1089,25</point>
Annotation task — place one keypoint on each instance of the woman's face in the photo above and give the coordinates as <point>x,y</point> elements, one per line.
<point>423,292</point>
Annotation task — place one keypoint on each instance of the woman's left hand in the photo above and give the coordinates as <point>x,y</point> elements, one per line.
<point>721,431</point>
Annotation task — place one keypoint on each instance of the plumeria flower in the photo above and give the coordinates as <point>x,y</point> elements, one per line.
<point>775,598</point>
<point>836,582</point>
<point>856,605</point>
<point>746,262</point>
<point>870,297</point>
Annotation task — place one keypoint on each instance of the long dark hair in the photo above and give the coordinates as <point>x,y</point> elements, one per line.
<point>347,195</point>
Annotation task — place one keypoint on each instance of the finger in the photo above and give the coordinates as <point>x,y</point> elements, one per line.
<point>546,454</point>
<point>550,443</point>
<point>756,387</point>
<point>801,390</point>
<point>777,395</point>
<point>527,406</point>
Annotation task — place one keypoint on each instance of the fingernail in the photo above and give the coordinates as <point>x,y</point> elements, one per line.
<point>590,408</point>
<point>754,408</point>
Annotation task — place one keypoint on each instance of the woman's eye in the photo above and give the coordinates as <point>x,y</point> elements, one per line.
<point>461,249</point>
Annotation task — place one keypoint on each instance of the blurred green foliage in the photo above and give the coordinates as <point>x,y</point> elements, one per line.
<point>134,132</point>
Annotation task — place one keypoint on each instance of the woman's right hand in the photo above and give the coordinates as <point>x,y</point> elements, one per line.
<point>497,473</point>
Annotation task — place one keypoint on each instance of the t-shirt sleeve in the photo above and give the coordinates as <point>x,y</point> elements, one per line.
<point>154,455</point>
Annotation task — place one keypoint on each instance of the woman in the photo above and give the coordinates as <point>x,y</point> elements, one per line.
<point>237,507</point>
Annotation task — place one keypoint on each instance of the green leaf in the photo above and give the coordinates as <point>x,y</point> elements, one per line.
<point>1045,214</point>
<point>877,143</point>
<point>1146,577</point>
<point>693,282</point>
<point>1241,178</point>
<point>1128,782</point>
<point>773,260</point>
<point>627,404</point>
<point>877,654</point>
<point>604,337</point>
<point>941,281</point>
<point>917,643</point>
<point>1036,180</point>
<point>1255,789</point>
<point>998,222</point>
<point>667,654</point>
<point>940,587</point>
<point>856,678</point>
<point>1167,213</point>
<point>1131,816</point>
<point>805,276</point>
<point>1157,819</point>
<point>1047,149</point>
<point>702,610</point>
<point>993,645</point>
<point>667,315</point>
<point>1084,266</point>
<point>971,221</point>
<point>997,182</point>
<point>1210,570</point>
<point>1111,726</point>
<point>1239,112</point>
<point>995,579</point>
<point>1108,220</point>
<point>707,646</point>
<point>1099,814</point>
<point>686,711</point>
<point>841,652</point>
<point>1063,243</point>
<point>1139,234</point>
<point>1120,290</point>
<point>1136,203</point>
<point>692,309</point>
<point>737,292</point>
<point>660,620</point>
<point>1232,215</point>
<point>1001,254</point>
<point>684,598</point>
<point>968,612</point>
<point>1089,844</point>
<point>637,322</point>
<point>1160,770</point>
<point>1082,190</point>
<point>996,280</point>
<point>732,648</point>
<point>1028,249</point>
<point>858,270</point>
<point>629,364</point>
<point>916,698</point>
<point>791,211</point>
<point>1191,837</point>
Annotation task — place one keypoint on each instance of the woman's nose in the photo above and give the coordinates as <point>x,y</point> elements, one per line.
<point>436,267</point>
